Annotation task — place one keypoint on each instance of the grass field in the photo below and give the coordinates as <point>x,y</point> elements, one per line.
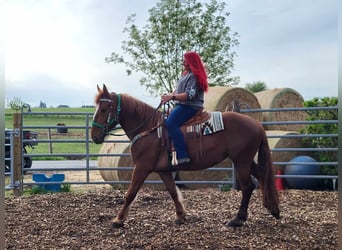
<point>73,118</point>
<point>68,117</point>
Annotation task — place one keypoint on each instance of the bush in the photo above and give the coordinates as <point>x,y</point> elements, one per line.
<point>325,128</point>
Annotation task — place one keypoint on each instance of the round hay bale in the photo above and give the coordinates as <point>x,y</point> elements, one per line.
<point>107,161</point>
<point>282,98</point>
<point>222,98</point>
<point>206,175</point>
<point>113,161</point>
<point>120,161</point>
<point>279,142</point>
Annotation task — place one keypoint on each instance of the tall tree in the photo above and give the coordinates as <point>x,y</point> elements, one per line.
<point>174,27</point>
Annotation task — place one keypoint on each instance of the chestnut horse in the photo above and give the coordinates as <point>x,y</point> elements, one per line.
<point>240,140</point>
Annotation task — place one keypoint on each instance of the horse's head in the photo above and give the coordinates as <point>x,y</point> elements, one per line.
<point>106,115</point>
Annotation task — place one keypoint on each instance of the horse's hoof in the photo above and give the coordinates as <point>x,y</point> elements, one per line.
<point>179,221</point>
<point>116,224</point>
<point>276,215</point>
<point>235,223</point>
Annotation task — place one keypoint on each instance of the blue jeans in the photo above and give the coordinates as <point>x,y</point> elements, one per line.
<point>178,116</point>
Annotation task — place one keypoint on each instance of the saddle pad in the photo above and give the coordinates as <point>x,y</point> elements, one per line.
<point>213,124</point>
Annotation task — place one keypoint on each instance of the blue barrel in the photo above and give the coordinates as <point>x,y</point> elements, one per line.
<point>296,168</point>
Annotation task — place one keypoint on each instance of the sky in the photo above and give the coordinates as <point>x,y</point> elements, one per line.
<point>55,49</point>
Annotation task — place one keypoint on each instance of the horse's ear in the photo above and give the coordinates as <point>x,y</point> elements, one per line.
<point>105,90</point>
<point>98,88</point>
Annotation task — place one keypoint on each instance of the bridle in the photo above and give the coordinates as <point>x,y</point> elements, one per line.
<point>110,120</point>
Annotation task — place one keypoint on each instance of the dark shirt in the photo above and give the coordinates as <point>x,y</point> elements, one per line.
<point>188,84</point>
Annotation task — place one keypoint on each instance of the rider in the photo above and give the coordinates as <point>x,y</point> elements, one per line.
<point>189,98</point>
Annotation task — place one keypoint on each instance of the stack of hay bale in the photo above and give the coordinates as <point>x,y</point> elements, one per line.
<point>221,98</point>
<point>282,98</point>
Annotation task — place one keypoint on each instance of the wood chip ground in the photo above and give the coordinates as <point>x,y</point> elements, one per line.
<point>82,220</point>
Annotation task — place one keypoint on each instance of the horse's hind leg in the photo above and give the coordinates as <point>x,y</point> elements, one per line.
<point>137,181</point>
<point>247,187</point>
<point>175,194</point>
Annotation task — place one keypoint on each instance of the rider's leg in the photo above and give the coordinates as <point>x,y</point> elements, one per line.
<point>179,115</point>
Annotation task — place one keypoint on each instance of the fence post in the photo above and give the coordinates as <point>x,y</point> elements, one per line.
<point>236,184</point>
<point>18,154</point>
<point>50,143</point>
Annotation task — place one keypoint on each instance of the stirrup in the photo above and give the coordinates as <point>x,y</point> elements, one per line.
<point>174,161</point>
<point>184,160</point>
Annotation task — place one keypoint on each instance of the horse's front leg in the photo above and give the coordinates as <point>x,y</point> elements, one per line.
<point>175,194</point>
<point>137,181</point>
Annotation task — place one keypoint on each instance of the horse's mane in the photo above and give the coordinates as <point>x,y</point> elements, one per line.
<point>134,105</point>
<point>152,116</point>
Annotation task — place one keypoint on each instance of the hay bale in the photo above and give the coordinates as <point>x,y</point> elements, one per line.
<point>120,161</point>
<point>206,175</point>
<point>282,98</point>
<point>113,161</point>
<point>107,161</point>
<point>221,98</point>
<point>274,143</point>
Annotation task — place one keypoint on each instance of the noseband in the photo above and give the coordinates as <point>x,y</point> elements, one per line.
<point>110,120</point>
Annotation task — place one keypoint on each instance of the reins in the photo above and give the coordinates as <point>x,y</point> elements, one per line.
<point>147,132</point>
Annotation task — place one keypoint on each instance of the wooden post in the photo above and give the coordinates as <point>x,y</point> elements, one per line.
<point>50,143</point>
<point>18,154</point>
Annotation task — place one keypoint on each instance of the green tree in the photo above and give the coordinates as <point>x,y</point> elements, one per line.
<point>16,103</point>
<point>256,86</point>
<point>174,27</point>
<point>324,128</point>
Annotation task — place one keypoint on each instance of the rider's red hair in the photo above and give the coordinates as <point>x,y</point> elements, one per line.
<point>197,68</point>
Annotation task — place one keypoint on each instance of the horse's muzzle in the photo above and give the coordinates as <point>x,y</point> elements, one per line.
<point>97,139</point>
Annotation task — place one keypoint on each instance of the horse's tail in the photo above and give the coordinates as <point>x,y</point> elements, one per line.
<point>267,179</point>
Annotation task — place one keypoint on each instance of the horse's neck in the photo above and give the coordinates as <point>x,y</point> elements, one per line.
<point>137,116</point>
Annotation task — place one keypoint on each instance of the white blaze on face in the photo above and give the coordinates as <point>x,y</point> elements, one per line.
<point>96,110</point>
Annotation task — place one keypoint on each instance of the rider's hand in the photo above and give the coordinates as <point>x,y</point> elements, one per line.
<point>166,98</point>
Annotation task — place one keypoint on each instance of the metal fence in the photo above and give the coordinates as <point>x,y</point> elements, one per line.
<point>323,149</point>
<point>17,176</point>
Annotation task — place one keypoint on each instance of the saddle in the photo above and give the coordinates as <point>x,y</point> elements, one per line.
<point>202,123</point>
<point>200,117</point>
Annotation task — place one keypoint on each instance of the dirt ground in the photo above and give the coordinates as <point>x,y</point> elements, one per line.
<point>82,220</point>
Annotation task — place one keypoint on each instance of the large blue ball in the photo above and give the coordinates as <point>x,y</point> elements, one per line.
<point>299,169</point>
